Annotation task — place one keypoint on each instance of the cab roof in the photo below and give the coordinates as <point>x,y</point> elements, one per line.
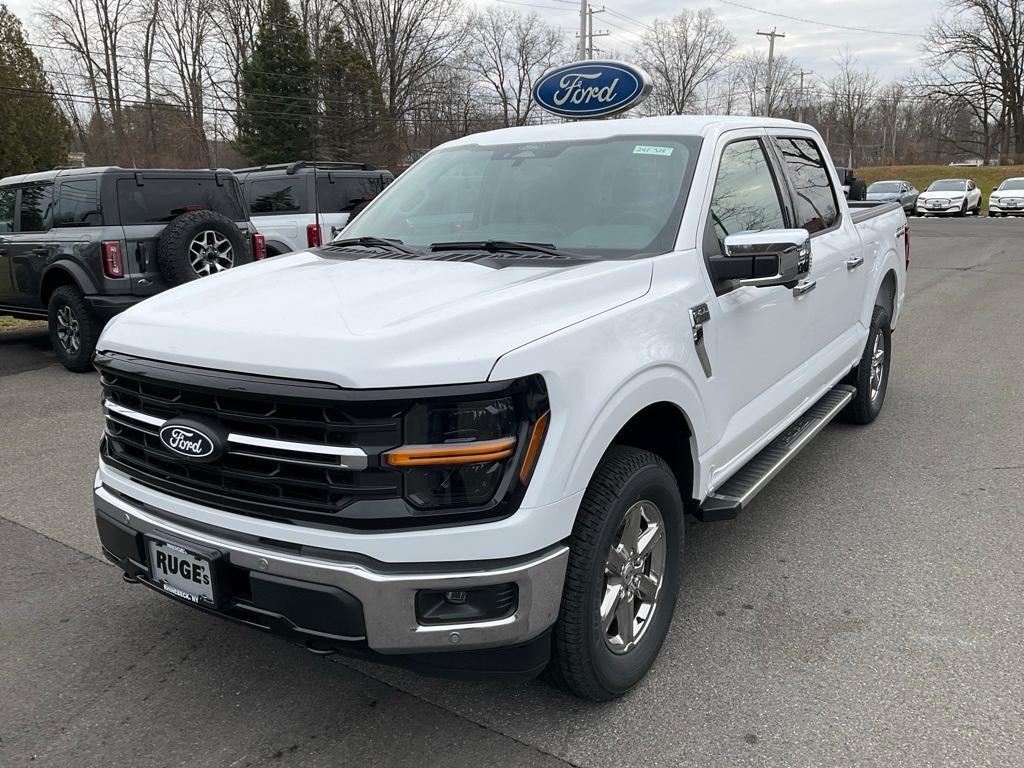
<point>668,125</point>
<point>105,170</point>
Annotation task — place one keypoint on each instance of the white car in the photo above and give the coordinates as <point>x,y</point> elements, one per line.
<point>956,197</point>
<point>1007,199</point>
<point>304,204</point>
<point>464,436</point>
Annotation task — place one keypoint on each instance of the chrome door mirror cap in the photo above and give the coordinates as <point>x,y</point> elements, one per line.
<point>792,248</point>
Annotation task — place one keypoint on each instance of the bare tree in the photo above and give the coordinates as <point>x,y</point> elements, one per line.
<point>408,42</point>
<point>510,51</point>
<point>764,97</point>
<point>851,91</point>
<point>976,57</point>
<point>93,32</point>
<point>681,55</point>
<point>183,29</point>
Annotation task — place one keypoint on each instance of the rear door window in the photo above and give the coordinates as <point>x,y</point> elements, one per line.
<point>158,200</point>
<point>283,195</point>
<point>816,206</point>
<point>36,200</point>
<point>342,194</point>
<point>78,204</point>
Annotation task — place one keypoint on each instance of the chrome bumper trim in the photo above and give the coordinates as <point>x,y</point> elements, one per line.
<point>388,598</point>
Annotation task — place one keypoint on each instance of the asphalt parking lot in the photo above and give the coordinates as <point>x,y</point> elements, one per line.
<point>865,610</point>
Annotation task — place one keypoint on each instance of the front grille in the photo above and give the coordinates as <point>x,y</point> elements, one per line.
<point>293,451</point>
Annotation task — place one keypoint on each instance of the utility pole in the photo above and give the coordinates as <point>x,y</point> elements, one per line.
<point>581,51</point>
<point>771,62</point>
<point>801,108</point>
<point>591,34</point>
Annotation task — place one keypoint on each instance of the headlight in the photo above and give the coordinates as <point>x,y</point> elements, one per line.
<point>471,452</point>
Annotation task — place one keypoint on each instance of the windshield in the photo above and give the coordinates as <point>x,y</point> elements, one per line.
<point>948,185</point>
<point>612,197</point>
<point>1012,184</point>
<point>885,186</point>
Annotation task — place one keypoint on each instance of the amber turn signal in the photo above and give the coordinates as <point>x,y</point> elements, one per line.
<point>455,453</point>
<point>533,447</point>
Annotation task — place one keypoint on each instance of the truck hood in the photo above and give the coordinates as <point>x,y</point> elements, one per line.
<point>371,322</point>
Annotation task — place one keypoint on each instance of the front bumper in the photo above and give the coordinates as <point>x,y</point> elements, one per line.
<point>351,605</point>
<point>1016,210</point>
<point>951,208</point>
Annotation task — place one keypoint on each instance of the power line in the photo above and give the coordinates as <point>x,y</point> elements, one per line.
<point>822,23</point>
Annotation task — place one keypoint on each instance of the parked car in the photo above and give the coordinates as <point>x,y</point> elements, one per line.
<point>282,200</point>
<point>463,437</point>
<point>79,245</point>
<point>956,197</point>
<point>902,192</point>
<point>1007,199</point>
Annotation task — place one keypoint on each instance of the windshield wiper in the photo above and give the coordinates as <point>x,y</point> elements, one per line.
<point>505,246</point>
<point>375,242</point>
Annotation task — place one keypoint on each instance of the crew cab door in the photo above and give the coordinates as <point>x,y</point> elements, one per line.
<point>759,337</point>
<point>839,261</point>
<point>29,246</point>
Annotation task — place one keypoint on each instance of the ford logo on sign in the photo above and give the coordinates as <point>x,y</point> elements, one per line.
<point>591,89</point>
<point>186,438</point>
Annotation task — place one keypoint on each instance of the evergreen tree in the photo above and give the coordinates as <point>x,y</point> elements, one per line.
<point>277,102</point>
<point>33,132</point>
<point>355,123</point>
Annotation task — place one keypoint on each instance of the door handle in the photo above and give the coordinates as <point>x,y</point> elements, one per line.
<point>804,286</point>
<point>855,262</point>
<point>40,251</point>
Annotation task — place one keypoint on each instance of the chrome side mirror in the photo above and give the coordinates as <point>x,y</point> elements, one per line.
<point>765,258</point>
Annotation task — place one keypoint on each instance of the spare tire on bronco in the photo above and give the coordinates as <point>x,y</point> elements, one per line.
<point>200,243</point>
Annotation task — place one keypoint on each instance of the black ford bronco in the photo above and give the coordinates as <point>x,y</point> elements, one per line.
<point>79,245</point>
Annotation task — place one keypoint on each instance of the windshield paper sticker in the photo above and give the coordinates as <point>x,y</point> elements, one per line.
<point>641,149</point>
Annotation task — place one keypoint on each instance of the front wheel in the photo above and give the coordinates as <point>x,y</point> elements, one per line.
<point>622,577</point>
<point>871,376</point>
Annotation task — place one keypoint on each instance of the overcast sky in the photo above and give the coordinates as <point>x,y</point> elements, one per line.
<point>813,45</point>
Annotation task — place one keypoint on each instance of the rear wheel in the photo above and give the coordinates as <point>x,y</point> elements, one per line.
<point>74,328</point>
<point>871,376</point>
<point>622,578</point>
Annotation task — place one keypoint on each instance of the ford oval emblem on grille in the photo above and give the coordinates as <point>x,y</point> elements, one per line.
<point>591,89</point>
<point>190,440</point>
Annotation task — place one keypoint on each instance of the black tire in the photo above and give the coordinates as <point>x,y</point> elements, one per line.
<point>173,255</point>
<point>866,406</point>
<point>74,328</point>
<point>582,660</point>
<point>963,209</point>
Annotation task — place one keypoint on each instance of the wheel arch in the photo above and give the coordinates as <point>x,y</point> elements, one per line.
<point>63,273</point>
<point>886,296</point>
<point>661,413</point>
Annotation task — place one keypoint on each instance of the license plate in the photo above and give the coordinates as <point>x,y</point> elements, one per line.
<point>181,572</point>
<point>936,204</point>
<point>1010,204</point>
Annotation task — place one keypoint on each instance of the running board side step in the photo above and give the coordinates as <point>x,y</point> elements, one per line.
<point>736,492</point>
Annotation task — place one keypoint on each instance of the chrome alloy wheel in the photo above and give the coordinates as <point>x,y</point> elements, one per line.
<point>210,252</point>
<point>633,575</point>
<point>877,364</point>
<point>68,331</point>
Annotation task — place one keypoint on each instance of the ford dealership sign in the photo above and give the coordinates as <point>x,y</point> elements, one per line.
<point>591,89</point>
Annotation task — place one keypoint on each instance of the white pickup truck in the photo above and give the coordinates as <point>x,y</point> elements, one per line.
<point>463,437</point>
